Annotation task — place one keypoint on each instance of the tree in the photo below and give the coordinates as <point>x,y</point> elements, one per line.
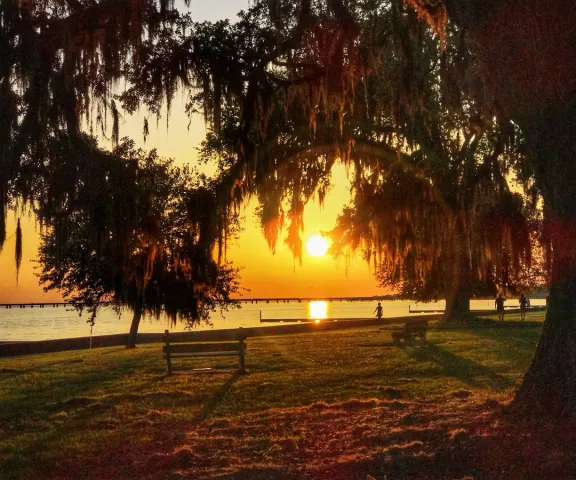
<point>151,249</point>
<point>528,60</point>
<point>441,219</point>
<point>282,151</point>
<point>113,225</point>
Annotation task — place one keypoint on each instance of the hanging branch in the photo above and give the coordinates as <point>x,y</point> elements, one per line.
<point>18,250</point>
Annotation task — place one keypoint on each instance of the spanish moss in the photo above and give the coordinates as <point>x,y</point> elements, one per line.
<point>18,250</point>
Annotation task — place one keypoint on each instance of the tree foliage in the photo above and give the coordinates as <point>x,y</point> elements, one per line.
<point>142,240</point>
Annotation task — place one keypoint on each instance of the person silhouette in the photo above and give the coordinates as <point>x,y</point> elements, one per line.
<point>499,304</point>
<point>378,311</point>
<point>523,306</point>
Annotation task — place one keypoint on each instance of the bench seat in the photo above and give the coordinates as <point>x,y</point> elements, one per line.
<point>200,354</point>
<point>410,332</point>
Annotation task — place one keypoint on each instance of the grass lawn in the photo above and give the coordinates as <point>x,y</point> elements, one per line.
<point>334,405</point>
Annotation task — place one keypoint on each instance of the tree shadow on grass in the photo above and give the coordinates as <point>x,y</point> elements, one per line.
<point>6,373</point>
<point>483,322</point>
<point>217,398</point>
<point>520,334</point>
<point>466,370</point>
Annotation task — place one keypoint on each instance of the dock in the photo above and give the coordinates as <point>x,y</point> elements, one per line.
<point>35,304</point>
<point>239,300</point>
<point>509,309</point>
<point>313,320</point>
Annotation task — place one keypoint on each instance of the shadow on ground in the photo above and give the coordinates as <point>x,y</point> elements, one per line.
<point>454,437</point>
<point>466,370</point>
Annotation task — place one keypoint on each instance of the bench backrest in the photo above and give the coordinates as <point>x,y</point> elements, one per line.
<point>204,347</point>
<point>413,327</point>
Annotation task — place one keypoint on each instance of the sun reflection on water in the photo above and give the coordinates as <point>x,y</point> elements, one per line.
<point>318,310</point>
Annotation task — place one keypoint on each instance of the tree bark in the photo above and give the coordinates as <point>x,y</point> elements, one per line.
<point>138,309</point>
<point>550,384</point>
<point>457,280</point>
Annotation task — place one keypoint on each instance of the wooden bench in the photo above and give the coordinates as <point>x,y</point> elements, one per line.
<point>410,332</point>
<point>195,349</point>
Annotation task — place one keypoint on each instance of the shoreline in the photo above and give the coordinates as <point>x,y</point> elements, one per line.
<point>16,348</point>
<point>116,340</point>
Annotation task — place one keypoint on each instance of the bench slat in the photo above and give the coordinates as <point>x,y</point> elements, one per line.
<point>202,347</point>
<point>201,354</point>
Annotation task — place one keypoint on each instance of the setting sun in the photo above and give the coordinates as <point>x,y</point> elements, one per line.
<point>317,246</point>
<point>318,310</point>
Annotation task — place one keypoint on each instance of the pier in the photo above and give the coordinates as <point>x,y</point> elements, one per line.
<point>240,300</point>
<point>35,304</point>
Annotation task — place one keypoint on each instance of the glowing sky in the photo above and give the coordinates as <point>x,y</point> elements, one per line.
<point>264,274</point>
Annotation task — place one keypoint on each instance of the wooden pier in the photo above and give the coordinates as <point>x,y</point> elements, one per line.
<point>507,309</point>
<point>32,305</point>
<point>313,320</point>
<point>240,300</point>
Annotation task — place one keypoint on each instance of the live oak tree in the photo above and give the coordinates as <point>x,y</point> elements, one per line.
<point>456,162</point>
<point>143,239</point>
<point>441,220</point>
<point>258,82</point>
<point>526,48</point>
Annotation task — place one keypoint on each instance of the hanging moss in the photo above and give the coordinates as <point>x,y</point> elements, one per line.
<point>18,250</point>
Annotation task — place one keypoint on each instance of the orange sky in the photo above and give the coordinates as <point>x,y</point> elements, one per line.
<point>265,274</point>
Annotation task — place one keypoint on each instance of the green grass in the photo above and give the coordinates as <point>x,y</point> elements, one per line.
<point>55,407</point>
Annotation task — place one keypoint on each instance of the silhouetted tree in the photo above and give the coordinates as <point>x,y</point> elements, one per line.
<point>441,218</point>
<point>105,213</point>
<point>143,240</point>
<point>528,61</point>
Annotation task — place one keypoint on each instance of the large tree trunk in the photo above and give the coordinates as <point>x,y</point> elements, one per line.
<point>138,309</point>
<point>457,280</point>
<point>550,384</point>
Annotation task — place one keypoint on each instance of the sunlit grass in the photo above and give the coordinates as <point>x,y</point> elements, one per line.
<point>54,407</point>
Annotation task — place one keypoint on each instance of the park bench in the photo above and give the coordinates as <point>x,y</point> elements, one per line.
<point>411,331</point>
<point>212,349</point>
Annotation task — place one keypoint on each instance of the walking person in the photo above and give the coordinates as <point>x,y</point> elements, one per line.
<point>523,306</point>
<point>378,311</point>
<point>499,304</point>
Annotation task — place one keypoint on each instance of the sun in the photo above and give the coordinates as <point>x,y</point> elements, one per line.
<point>317,246</point>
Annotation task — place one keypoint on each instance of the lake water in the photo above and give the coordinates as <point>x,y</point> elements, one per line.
<point>17,324</point>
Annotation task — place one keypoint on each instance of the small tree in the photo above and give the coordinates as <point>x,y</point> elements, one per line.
<point>152,250</point>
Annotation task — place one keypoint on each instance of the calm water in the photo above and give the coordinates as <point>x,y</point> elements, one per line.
<point>48,323</point>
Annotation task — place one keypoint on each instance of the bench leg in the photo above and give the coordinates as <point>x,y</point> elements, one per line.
<point>168,364</point>
<point>241,362</point>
